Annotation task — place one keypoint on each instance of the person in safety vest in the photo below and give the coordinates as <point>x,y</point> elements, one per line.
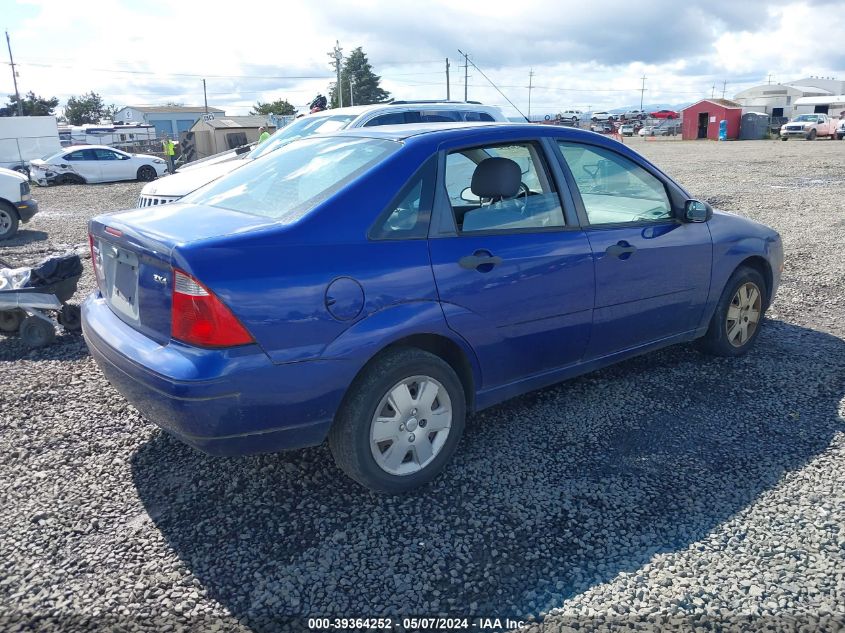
<point>263,134</point>
<point>169,148</point>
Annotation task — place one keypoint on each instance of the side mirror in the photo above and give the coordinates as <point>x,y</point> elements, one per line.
<point>468,196</point>
<point>697,211</point>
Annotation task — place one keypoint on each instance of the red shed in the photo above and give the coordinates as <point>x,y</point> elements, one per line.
<point>701,120</point>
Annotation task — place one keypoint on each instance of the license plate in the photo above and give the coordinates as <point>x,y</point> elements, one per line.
<point>124,282</point>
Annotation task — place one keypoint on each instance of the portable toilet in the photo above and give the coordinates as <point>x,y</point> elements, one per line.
<point>753,126</point>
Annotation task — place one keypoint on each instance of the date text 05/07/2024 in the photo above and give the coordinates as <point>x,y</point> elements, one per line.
<point>419,623</point>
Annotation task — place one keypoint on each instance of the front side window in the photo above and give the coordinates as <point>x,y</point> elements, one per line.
<point>291,181</point>
<point>512,192</point>
<point>439,116</point>
<point>478,116</point>
<point>613,188</point>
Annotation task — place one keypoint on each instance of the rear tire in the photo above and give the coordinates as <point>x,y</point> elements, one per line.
<point>36,332</point>
<point>71,179</point>
<point>738,316</point>
<point>8,221</point>
<point>392,400</point>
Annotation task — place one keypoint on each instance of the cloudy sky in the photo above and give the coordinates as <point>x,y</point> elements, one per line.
<point>583,55</point>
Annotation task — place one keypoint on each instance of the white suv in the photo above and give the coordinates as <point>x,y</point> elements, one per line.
<point>571,115</point>
<point>192,177</point>
<point>602,116</point>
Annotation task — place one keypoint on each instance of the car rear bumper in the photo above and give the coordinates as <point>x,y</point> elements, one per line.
<point>222,402</point>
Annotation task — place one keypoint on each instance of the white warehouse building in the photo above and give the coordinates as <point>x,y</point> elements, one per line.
<point>779,100</point>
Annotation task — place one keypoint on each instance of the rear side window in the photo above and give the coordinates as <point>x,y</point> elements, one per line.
<point>289,182</point>
<point>81,154</point>
<point>408,214</point>
<point>393,118</point>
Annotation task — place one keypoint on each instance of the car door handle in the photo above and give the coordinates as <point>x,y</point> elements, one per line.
<point>479,259</point>
<point>621,249</point>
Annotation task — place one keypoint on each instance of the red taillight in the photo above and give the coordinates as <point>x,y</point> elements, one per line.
<point>95,257</point>
<point>200,318</point>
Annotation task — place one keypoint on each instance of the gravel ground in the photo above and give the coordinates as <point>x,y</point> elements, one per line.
<point>672,490</point>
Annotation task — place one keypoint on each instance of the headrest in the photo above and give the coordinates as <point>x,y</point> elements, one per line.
<point>496,178</point>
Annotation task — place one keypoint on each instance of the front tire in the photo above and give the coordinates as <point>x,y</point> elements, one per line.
<point>400,423</point>
<point>146,174</point>
<point>8,221</point>
<point>738,316</point>
<point>811,136</point>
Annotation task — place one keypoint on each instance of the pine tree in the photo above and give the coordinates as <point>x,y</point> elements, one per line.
<point>366,88</point>
<point>279,106</point>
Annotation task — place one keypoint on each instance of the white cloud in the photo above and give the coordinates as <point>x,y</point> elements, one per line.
<point>580,57</point>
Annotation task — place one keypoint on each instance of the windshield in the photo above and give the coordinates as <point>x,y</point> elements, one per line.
<point>305,126</point>
<point>808,117</point>
<point>288,183</point>
<point>46,158</point>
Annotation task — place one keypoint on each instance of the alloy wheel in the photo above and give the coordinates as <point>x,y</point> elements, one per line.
<point>744,314</point>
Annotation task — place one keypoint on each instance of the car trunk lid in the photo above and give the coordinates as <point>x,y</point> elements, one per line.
<point>135,254</point>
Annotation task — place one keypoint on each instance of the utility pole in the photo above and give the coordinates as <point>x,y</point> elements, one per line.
<point>351,96</point>
<point>448,96</point>
<point>338,58</point>
<point>713,91</point>
<point>642,93</point>
<point>724,88</point>
<point>770,79</point>
<point>530,87</point>
<point>14,75</point>
<point>205,96</point>
<point>466,74</point>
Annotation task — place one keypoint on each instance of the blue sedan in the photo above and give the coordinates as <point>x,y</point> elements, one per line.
<point>374,287</point>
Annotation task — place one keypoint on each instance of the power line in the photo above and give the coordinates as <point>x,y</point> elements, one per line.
<point>165,74</point>
<point>474,65</point>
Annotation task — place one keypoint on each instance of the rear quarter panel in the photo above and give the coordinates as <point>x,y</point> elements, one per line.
<point>277,280</point>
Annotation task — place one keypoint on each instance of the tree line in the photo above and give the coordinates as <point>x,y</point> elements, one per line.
<point>359,85</point>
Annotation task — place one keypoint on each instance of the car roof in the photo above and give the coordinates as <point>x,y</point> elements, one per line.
<point>73,148</point>
<point>440,132</point>
<point>405,105</point>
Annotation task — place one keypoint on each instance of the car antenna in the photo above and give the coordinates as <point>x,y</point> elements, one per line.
<point>466,57</point>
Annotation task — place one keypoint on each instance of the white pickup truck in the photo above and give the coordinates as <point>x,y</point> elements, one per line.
<point>16,203</point>
<point>809,126</point>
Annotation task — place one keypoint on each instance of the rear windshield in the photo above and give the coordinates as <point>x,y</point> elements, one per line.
<point>301,128</point>
<point>288,183</point>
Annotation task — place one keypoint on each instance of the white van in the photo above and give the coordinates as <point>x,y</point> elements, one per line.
<point>192,177</point>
